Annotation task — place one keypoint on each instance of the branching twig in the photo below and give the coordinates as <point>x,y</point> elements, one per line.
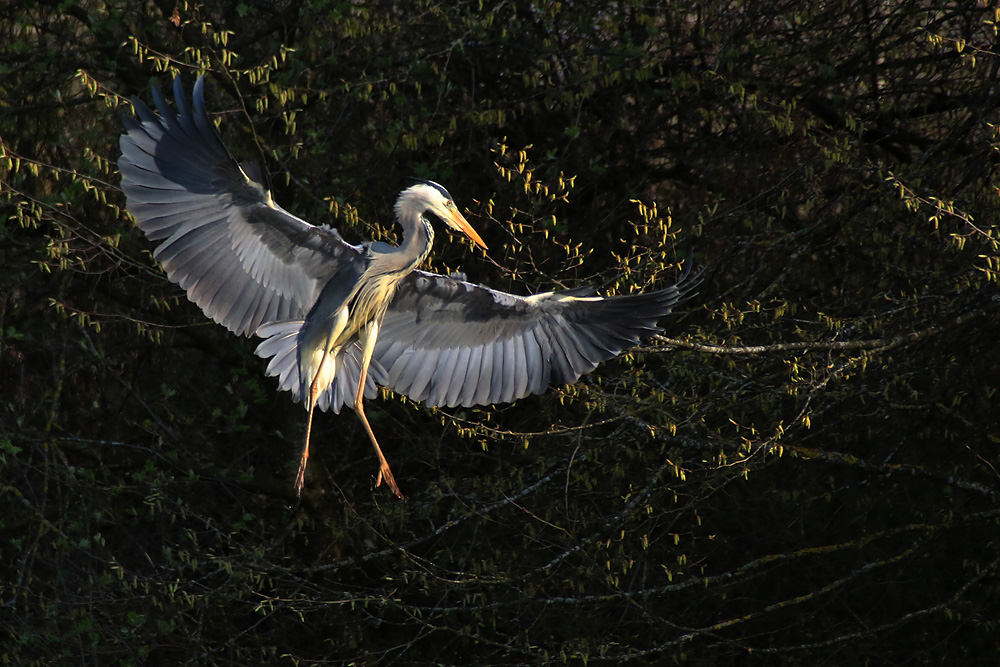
<point>877,344</point>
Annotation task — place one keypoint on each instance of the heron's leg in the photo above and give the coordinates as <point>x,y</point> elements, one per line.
<point>300,477</point>
<point>368,335</point>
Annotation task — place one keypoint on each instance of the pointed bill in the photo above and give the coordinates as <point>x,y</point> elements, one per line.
<point>458,221</point>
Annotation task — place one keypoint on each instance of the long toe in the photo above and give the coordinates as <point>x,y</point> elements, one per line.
<point>300,478</point>
<point>386,474</point>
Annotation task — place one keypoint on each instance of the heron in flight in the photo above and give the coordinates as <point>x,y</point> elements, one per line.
<point>337,320</point>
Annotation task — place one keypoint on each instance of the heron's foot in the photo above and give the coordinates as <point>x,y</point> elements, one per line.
<point>386,474</point>
<point>300,477</point>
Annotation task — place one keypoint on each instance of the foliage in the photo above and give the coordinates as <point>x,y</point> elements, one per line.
<point>802,470</point>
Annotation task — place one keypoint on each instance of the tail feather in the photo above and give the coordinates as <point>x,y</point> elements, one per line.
<point>279,345</point>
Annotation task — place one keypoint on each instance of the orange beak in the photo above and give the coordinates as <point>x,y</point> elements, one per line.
<point>459,222</point>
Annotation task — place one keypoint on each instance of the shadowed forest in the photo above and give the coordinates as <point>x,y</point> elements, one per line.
<point>803,469</point>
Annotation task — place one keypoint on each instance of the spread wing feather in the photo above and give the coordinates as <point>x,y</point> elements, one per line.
<point>244,260</point>
<point>449,342</point>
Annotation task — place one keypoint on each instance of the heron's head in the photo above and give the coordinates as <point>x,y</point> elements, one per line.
<point>429,196</point>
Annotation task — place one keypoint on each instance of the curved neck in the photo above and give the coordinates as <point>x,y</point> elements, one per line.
<point>417,240</point>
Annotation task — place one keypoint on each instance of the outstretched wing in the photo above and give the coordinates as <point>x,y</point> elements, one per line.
<point>445,341</point>
<point>244,260</point>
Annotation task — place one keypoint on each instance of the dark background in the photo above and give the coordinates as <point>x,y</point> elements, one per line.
<point>805,473</point>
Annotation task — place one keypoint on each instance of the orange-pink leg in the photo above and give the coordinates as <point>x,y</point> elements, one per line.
<point>300,477</point>
<point>368,336</point>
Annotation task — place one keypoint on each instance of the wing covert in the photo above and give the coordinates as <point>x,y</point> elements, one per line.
<point>449,342</point>
<point>244,260</point>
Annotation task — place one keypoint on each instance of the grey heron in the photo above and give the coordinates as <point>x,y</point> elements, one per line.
<point>337,320</point>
